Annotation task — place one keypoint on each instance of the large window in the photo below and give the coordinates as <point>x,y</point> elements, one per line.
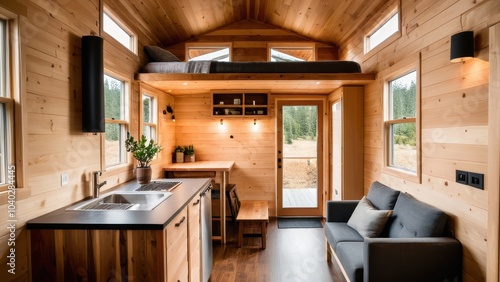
<point>119,32</point>
<point>149,117</point>
<point>116,105</point>
<point>386,29</point>
<point>401,127</point>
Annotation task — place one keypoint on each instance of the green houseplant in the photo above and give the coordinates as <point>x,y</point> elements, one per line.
<point>179,154</point>
<point>144,152</point>
<point>189,154</point>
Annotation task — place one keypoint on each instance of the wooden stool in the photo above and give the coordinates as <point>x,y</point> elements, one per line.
<point>253,211</point>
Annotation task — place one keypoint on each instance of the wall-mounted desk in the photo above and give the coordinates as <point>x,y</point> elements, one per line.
<point>210,166</point>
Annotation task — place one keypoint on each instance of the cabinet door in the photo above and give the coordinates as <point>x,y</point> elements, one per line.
<point>194,240</point>
<point>177,249</point>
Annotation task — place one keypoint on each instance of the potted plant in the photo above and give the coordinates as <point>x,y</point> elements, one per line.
<point>144,152</point>
<point>179,154</point>
<point>189,154</point>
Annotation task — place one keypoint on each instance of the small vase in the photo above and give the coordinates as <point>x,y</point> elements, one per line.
<point>179,157</point>
<point>143,175</point>
<point>189,158</point>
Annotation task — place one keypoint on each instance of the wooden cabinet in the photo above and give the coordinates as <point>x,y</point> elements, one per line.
<point>119,255</point>
<point>346,139</point>
<point>194,236</point>
<point>240,104</point>
<point>176,234</point>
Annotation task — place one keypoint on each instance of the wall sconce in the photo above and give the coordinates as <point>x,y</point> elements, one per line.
<point>462,46</point>
<point>170,111</point>
<point>254,121</point>
<point>221,122</point>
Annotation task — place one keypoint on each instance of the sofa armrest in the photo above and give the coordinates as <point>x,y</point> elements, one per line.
<point>340,211</point>
<point>412,259</point>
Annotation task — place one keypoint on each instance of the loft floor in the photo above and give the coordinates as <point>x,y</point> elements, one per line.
<point>291,255</point>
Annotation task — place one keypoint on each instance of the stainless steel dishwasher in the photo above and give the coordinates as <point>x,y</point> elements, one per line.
<point>206,232</point>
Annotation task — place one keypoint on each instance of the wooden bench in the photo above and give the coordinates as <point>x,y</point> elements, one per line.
<point>253,211</point>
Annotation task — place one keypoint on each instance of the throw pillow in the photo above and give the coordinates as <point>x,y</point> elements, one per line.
<point>157,54</point>
<point>367,220</point>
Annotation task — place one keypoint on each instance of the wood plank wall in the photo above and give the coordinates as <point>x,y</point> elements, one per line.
<point>249,40</point>
<point>50,33</point>
<point>454,116</point>
<point>252,147</point>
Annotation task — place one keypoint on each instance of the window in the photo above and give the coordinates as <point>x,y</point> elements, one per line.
<point>116,105</point>
<point>291,52</point>
<point>149,115</point>
<point>208,52</point>
<point>6,109</point>
<point>119,32</point>
<point>401,126</point>
<point>382,32</point>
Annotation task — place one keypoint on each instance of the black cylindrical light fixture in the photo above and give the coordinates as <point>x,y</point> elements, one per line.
<point>92,84</point>
<point>462,46</point>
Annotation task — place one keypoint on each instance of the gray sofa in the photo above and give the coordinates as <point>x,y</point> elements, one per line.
<point>412,245</point>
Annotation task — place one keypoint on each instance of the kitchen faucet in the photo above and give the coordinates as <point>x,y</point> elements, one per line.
<point>97,185</point>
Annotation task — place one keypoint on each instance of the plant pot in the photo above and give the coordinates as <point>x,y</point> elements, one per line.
<point>189,158</point>
<point>179,157</point>
<point>143,175</point>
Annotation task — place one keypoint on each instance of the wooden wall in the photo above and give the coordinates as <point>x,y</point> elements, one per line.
<point>249,40</point>
<point>50,35</point>
<point>454,114</point>
<point>252,147</point>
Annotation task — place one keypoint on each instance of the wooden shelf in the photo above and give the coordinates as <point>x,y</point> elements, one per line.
<point>240,104</point>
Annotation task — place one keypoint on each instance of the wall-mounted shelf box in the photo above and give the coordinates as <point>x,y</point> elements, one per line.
<point>240,104</point>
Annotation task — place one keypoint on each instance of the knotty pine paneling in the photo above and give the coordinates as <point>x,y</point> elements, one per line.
<point>454,115</point>
<point>252,146</point>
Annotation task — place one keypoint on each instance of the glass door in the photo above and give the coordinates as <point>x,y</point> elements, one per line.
<point>300,158</point>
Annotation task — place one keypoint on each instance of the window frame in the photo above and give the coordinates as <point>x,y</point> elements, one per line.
<point>13,101</point>
<point>397,71</point>
<point>133,37</point>
<point>189,45</point>
<point>125,122</point>
<point>154,115</point>
<point>395,8</point>
<point>292,45</point>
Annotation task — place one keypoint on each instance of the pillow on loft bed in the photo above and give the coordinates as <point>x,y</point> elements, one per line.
<point>158,54</point>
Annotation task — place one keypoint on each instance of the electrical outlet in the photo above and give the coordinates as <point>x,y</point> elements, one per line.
<point>461,177</point>
<point>64,179</point>
<point>476,180</point>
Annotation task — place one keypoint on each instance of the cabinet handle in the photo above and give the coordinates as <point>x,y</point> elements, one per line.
<point>180,222</point>
<point>197,202</point>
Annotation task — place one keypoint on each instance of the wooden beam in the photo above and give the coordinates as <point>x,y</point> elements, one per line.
<point>493,184</point>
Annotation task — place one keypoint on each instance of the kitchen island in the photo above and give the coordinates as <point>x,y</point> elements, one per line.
<point>160,244</point>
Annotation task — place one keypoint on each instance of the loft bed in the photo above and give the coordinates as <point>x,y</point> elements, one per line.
<point>166,72</point>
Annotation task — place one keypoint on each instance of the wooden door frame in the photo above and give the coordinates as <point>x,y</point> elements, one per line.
<point>320,102</point>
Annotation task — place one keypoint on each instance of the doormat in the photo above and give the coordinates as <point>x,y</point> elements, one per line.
<point>284,223</point>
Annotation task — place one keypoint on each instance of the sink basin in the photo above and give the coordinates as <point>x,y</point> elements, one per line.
<point>140,201</point>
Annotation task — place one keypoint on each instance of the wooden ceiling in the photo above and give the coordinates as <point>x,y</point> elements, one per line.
<point>328,21</point>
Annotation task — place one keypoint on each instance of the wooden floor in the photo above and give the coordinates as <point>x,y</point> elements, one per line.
<point>291,255</point>
<point>301,197</point>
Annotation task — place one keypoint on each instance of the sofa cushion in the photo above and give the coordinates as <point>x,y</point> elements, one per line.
<point>382,197</point>
<point>351,256</point>
<point>336,232</point>
<point>412,218</point>
<point>367,220</point>
<point>158,54</point>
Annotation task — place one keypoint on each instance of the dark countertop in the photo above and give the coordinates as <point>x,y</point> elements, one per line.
<point>156,219</point>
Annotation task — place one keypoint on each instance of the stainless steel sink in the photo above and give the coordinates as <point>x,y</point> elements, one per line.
<point>140,201</point>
